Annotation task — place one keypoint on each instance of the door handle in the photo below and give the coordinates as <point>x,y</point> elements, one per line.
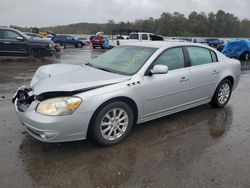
<point>6,42</point>
<point>215,72</point>
<point>183,79</point>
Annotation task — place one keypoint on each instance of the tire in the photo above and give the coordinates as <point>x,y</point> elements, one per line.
<point>222,94</point>
<point>79,45</point>
<point>245,56</point>
<point>37,53</point>
<point>107,130</point>
<point>94,47</point>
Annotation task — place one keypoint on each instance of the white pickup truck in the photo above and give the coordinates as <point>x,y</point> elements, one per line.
<point>135,37</point>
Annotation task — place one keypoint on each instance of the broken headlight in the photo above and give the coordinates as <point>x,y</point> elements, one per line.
<point>59,106</point>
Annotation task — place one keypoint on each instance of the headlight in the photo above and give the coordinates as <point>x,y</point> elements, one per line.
<point>50,45</point>
<point>59,106</point>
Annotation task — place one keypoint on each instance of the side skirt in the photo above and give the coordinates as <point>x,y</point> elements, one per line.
<point>172,111</point>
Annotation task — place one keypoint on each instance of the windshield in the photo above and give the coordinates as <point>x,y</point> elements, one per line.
<point>24,35</point>
<point>123,60</point>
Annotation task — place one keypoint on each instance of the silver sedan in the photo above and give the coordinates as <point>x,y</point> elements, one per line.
<point>124,86</point>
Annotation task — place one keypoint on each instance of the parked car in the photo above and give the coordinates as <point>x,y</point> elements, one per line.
<point>238,49</point>
<point>126,85</point>
<point>17,43</point>
<point>97,41</point>
<point>56,46</point>
<point>214,42</point>
<point>64,40</point>
<point>135,37</point>
<point>85,40</point>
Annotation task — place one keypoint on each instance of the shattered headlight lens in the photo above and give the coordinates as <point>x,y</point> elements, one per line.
<point>59,106</point>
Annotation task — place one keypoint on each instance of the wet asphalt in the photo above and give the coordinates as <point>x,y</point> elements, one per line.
<point>200,147</point>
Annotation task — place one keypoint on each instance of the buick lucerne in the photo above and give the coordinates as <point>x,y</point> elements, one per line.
<point>127,85</point>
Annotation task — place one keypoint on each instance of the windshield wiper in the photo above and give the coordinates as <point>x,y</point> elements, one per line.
<point>89,64</point>
<point>100,68</point>
<point>104,69</point>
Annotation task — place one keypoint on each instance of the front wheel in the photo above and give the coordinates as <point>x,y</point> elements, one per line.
<point>79,45</point>
<point>112,123</point>
<point>37,53</point>
<point>222,94</point>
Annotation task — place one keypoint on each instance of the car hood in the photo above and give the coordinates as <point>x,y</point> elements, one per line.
<point>69,78</point>
<point>39,40</point>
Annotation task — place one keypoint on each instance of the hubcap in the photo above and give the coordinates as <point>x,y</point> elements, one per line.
<point>114,124</point>
<point>224,93</point>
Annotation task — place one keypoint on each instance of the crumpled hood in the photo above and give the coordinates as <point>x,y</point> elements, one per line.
<point>67,77</point>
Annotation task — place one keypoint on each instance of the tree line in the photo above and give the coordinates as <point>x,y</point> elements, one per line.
<point>219,24</point>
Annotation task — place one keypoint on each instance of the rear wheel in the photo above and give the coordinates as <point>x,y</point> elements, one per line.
<point>112,123</point>
<point>222,94</point>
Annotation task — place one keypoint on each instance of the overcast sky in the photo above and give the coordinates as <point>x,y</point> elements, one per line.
<point>58,12</point>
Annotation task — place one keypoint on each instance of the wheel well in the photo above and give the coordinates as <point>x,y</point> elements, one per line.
<point>231,79</point>
<point>126,100</point>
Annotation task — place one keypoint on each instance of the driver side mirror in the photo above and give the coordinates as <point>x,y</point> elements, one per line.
<point>159,69</point>
<point>19,38</point>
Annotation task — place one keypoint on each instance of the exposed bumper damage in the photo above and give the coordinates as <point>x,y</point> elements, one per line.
<point>50,128</point>
<point>25,97</point>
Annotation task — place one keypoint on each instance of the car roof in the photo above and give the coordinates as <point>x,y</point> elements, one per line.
<point>164,44</point>
<point>8,28</point>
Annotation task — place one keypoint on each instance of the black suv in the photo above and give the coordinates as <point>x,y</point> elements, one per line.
<point>16,43</point>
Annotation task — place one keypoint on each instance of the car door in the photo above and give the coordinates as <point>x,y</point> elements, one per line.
<point>11,45</point>
<point>204,71</point>
<point>166,92</point>
<point>70,40</point>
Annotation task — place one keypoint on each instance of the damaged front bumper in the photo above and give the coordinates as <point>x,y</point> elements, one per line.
<point>49,128</point>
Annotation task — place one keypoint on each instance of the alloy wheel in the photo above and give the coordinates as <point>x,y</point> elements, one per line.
<point>224,93</point>
<point>114,124</point>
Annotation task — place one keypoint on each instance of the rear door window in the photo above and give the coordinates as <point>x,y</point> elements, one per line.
<point>199,56</point>
<point>214,56</point>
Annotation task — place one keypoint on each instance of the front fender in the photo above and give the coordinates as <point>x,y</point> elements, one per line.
<point>93,99</point>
